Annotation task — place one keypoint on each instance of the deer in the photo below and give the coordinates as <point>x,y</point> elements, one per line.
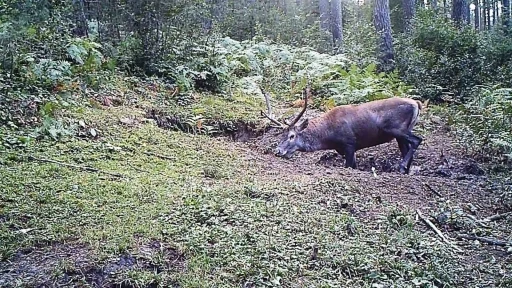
<point>350,128</point>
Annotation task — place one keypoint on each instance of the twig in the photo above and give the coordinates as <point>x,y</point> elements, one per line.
<point>484,240</point>
<point>433,227</point>
<point>137,168</point>
<point>432,190</point>
<point>160,156</point>
<point>87,168</point>
<point>498,217</point>
<point>479,222</point>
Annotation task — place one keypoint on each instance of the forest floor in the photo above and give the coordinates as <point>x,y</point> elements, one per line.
<point>172,209</point>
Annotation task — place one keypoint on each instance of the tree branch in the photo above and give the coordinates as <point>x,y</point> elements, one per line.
<point>484,240</point>
<point>433,227</point>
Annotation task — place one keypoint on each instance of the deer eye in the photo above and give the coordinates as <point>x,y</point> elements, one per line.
<point>292,136</point>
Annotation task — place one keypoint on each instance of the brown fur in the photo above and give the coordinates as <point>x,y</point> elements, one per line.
<point>363,122</point>
<point>349,128</point>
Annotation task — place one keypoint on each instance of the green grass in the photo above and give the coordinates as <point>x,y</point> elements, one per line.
<point>234,222</point>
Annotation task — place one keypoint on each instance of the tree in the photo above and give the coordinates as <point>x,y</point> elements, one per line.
<point>467,12</point>
<point>505,13</point>
<point>477,14</point>
<point>458,11</point>
<point>324,14</point>
<point>409,10</point>
<point>382,24</point>
<point>337,20</point>
<point>433,4</point>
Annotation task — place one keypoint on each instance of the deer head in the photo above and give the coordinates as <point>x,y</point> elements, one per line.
<point>291,138</point>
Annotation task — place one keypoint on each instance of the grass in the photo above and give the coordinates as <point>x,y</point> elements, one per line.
<point>195,211</point>
<point>233,224</point>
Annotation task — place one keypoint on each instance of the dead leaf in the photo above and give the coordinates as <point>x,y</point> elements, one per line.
<point>25,231</point>
<point>127,121</point>
<point>81,123</point>
<point>107,101</point>
<point>93,132</point>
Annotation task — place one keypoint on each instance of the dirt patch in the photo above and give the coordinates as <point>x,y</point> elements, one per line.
<point>437,156</point>
<point>440,172</point>
<point>74,264</point>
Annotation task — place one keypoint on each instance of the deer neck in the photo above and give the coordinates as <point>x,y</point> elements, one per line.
<point>314,139</point>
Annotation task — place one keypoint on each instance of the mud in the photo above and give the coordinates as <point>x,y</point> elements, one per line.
<point>73,264</point>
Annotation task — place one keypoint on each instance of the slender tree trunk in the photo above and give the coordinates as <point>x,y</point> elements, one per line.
<point>337,22</point>
<point>324,14</point>
<point>477,14</point>
<point>494,12</point>
<point>488,7</point>
<point>484,16</point>
<point>467,12</point>
<point>409,10</point>
<point>458,11</point>
<point>505,13</point>
<point>382,24</point>
<point>433,4</point>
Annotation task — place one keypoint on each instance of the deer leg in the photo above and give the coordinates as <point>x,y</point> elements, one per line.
<point>414,142</point>
<point>350,157</point>
<point>403,146</point>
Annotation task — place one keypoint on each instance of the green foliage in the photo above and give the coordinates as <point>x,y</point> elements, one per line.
<point>483,123</point>
<point>439,59</point>
<point>260,19</point>
<point>356,85</point>
<point>229,64</point>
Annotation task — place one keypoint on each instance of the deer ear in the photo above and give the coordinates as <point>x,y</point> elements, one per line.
<point>303,125</point>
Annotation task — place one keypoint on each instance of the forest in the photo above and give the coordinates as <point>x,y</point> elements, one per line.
<point>141,143</point>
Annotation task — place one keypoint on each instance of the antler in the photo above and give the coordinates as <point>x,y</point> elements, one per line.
<point>269,110</point>
<point>307,91</point>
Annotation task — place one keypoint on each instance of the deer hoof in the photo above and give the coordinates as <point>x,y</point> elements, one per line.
<point>403,170</point>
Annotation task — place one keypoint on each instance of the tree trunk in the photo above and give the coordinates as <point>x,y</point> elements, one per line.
<point>409,10</point>
<point>477,14</point>
<point>484,15</point>
<point>324,14</point>
<point>494,12</point>
<point>467,12</point>
<point>488,7</point>
<point>458,11</point>
<point>433,4</point>
<point>382,22</point>
<point>505,13</point>
<point>337,20</point>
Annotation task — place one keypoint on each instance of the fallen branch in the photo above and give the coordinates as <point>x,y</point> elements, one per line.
<point>433,227</point>
<point>432,190</point>
<point>484,240</point>
<point>86,168</point>
<point>160,156</point>
<point>498,217</point>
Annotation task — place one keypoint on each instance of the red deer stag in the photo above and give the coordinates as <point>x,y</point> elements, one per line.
<point>349,128</point>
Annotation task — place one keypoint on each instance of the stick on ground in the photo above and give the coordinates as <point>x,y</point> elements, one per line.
<point>91,169</point>
<point>160,156</point>
<point>433,227</point>
<point>432,190</point>
<point>484,240</point>
<point>498,217</point>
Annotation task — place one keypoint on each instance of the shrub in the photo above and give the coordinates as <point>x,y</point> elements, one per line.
<point>483,123</point>
<point>436,57</point>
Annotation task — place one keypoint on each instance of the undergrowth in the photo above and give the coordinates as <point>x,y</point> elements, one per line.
<point>233,225</point>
